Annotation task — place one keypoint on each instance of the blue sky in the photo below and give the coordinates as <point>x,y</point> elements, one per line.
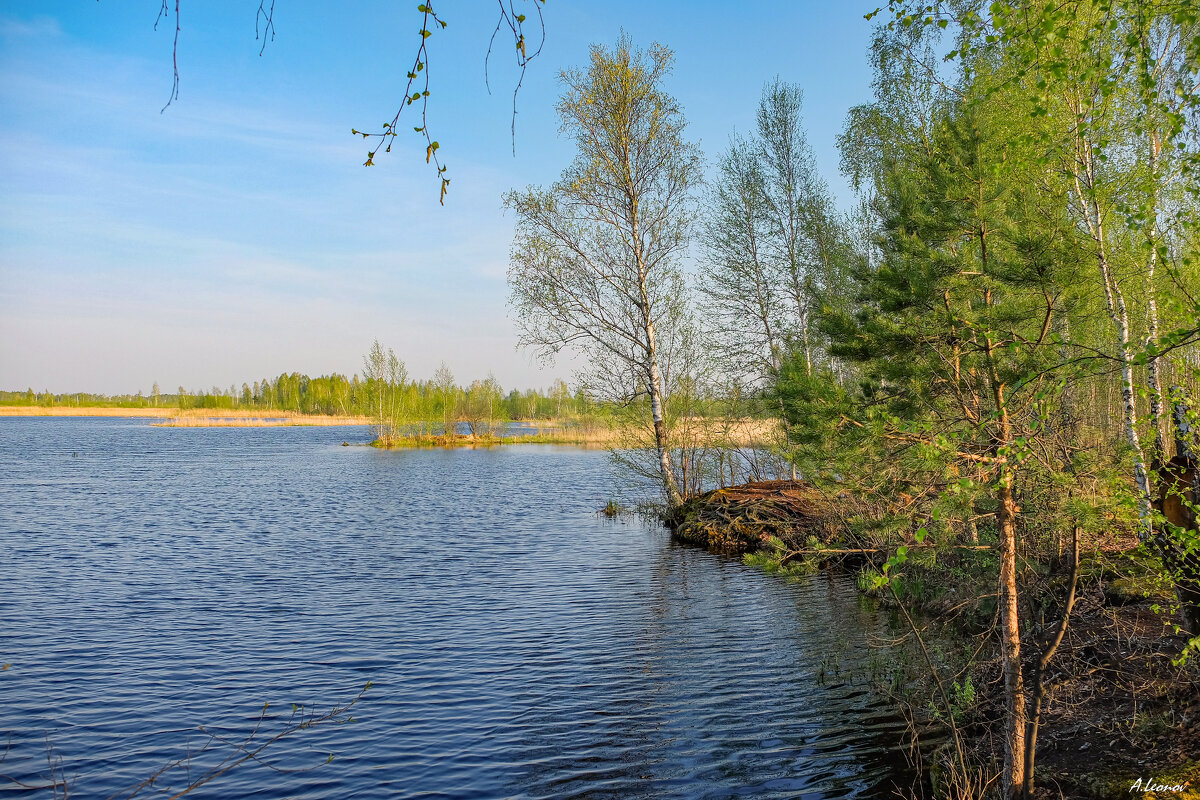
<point>236,235</point>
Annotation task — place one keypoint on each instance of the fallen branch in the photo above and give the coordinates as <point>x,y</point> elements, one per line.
<point>838,551</point>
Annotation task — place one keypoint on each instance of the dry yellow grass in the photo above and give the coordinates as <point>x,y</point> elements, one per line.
<point>699,432</point>
<point>739,433</point>
<point>694,431</point>
<point>222,418</point>
<point>188,418</point>
<point>84,411</point>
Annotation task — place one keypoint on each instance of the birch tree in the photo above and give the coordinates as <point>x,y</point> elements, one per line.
<point>742,300</point>
<point>595,259</point>
<point>443,379</point>
<point>807,242</point>
<point>375,372</point>
<point>775,251</point>
<point>397,376</point>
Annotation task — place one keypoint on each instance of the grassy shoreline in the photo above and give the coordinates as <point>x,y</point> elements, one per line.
<point>1112,688</point>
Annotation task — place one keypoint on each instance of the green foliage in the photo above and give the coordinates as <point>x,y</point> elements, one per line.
<point>1029,180</point>
<point>770,561</point>
<point>962,700</point>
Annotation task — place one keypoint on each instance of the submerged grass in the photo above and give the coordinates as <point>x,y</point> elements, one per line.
<point>613,508</point>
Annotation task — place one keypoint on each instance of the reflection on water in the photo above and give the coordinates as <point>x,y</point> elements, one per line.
<point>520,644</point>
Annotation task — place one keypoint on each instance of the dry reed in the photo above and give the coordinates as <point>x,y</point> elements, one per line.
<point>188,418</point>
<point>84,411</point>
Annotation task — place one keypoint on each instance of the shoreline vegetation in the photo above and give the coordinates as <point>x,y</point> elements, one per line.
<point>1115,686</point>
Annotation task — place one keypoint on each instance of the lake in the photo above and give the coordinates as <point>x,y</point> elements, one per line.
<point>520,645</point>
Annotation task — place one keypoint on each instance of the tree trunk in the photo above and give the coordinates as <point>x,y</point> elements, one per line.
<point>1012,780</point>
<point>674,498</point>
<point>1153,150</point>
<point>660,428</point>
<point>1039,668</point>
<point>1158,454</point>
<point>1119,314</point>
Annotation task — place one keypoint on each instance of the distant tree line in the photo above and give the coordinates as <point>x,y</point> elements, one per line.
<point>437,399</point>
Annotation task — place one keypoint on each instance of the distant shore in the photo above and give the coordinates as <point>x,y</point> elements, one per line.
<point>190,417</point>
<point>697,431</point>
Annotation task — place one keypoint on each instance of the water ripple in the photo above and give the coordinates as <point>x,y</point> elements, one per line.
<point>157,579</point>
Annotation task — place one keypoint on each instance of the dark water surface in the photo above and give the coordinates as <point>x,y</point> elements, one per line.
<point>157,579</point>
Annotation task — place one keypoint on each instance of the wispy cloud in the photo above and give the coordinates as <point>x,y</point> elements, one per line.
<point>40,27</point>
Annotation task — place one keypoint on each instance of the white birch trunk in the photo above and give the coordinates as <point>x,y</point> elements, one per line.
<point>1119,314</point>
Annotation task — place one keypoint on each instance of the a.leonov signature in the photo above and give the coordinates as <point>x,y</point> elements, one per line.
<point>1151,786</point>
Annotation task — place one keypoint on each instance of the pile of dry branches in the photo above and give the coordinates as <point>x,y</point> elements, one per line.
<point>738,519</point>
